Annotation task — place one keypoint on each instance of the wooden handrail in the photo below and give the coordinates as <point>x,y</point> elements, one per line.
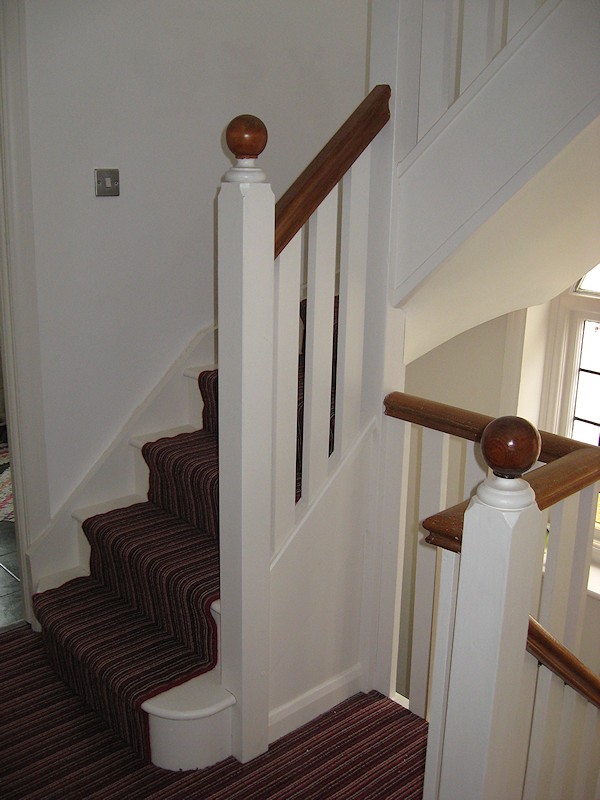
<point>562,662</point>
<point>570,467</point>
<point>308,191</point>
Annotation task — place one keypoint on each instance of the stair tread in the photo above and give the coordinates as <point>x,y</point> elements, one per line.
<point>162,565</point>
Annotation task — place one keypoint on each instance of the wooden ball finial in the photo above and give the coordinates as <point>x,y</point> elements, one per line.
<point>246,136</point>
<point>510,446</point>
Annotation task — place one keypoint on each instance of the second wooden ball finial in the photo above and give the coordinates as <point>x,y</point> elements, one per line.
<point>510,446</point>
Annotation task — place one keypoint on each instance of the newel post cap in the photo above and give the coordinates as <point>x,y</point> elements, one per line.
<point>510,446</point>
<point>246,137</point>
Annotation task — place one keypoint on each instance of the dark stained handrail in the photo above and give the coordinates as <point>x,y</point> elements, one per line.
<point>570,465</point>
<point>308,191</point>
<point>562,662</point>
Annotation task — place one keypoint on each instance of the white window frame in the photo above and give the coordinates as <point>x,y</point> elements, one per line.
<point>569,311</point>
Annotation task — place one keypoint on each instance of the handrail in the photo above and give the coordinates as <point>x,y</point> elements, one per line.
<point>570,467</point>
<point>562,662</point>
<point>308,191</point>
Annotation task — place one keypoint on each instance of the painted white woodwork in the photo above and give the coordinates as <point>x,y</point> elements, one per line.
<point>497,136</point>
<point>388,557</point>
<point>476,41</point>
<point>322,259</point>
<point>520,12</point>
<point>493,606</point>
<point>288,273</point>
<point>444,634</point>
<point>246,290</point>
<point>568,557</point>
<point>432,497</point>
<point>20,331</point>
<point>317,597</point>
<point>439,60</point>
<point>351,315</point>
<point>589,756</point>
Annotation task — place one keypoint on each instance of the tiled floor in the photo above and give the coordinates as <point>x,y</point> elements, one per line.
<point>11,598</point>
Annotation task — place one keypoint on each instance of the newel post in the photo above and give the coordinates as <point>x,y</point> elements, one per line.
<point>245,320</point>
<point>492,679</point>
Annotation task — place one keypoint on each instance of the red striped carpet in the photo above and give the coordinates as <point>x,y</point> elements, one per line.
<point>141,622</point>
<point>52,747</point>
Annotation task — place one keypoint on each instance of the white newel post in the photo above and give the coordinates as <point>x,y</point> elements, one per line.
<point>491,673</point>
<point>245,317</point>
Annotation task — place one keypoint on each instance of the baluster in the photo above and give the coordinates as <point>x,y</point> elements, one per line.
<point>245,247</point>
<point>287,303</point>
<point>351,314</point>
<point>567,567</point>
<point>322,252</point>
<point>432,497</point>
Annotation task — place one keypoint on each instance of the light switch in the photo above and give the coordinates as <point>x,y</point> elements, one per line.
<point>107,182</point>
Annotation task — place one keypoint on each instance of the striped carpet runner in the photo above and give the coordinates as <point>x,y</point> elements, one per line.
<point>53,747</point>
<point>141,622</point>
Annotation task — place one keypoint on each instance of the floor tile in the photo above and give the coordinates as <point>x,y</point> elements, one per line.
<point>7,538</point>
<point>11,608</point>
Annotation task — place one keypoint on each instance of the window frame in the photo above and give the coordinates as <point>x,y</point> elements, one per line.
<point>569,311</point>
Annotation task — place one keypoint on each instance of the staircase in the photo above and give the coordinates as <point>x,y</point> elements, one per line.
<point>141,624</point>
<point>242,510</point>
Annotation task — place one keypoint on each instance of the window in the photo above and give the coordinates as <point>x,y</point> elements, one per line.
<point>576,371</point>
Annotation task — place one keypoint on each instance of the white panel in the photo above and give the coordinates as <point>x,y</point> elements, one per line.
<point>287,302</point>
<point>438,85</point>
<point>322,247</point>
<point>519,12</point>
<point>496,137</point>
<point>351,318</point>
<point>475,30</point>
<point>317,580</point>
<point>433,487</point>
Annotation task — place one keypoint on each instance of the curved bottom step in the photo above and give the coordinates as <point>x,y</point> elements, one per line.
<point>190,725</point>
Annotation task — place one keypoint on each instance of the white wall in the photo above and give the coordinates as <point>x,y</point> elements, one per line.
<point>148,87</point>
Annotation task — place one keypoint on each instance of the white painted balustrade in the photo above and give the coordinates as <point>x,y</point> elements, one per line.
<point>500,725</point>
<point>261,342</point>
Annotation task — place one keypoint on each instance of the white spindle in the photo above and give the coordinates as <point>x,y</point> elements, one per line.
<point>322,255</point>
<point>542,747</point>
<point>589,755</point>
<point>351,315</point>
<point>246,244</point>
<point>432,498</point>
<point>567,566</point>
<point>288,269</point>
<point>444,636</point>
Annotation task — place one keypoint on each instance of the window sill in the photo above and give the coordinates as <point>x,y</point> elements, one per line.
<point>593,588</point>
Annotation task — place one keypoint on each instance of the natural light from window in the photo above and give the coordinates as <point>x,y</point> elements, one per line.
<point>590,283</point>
<point>586,413</point>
